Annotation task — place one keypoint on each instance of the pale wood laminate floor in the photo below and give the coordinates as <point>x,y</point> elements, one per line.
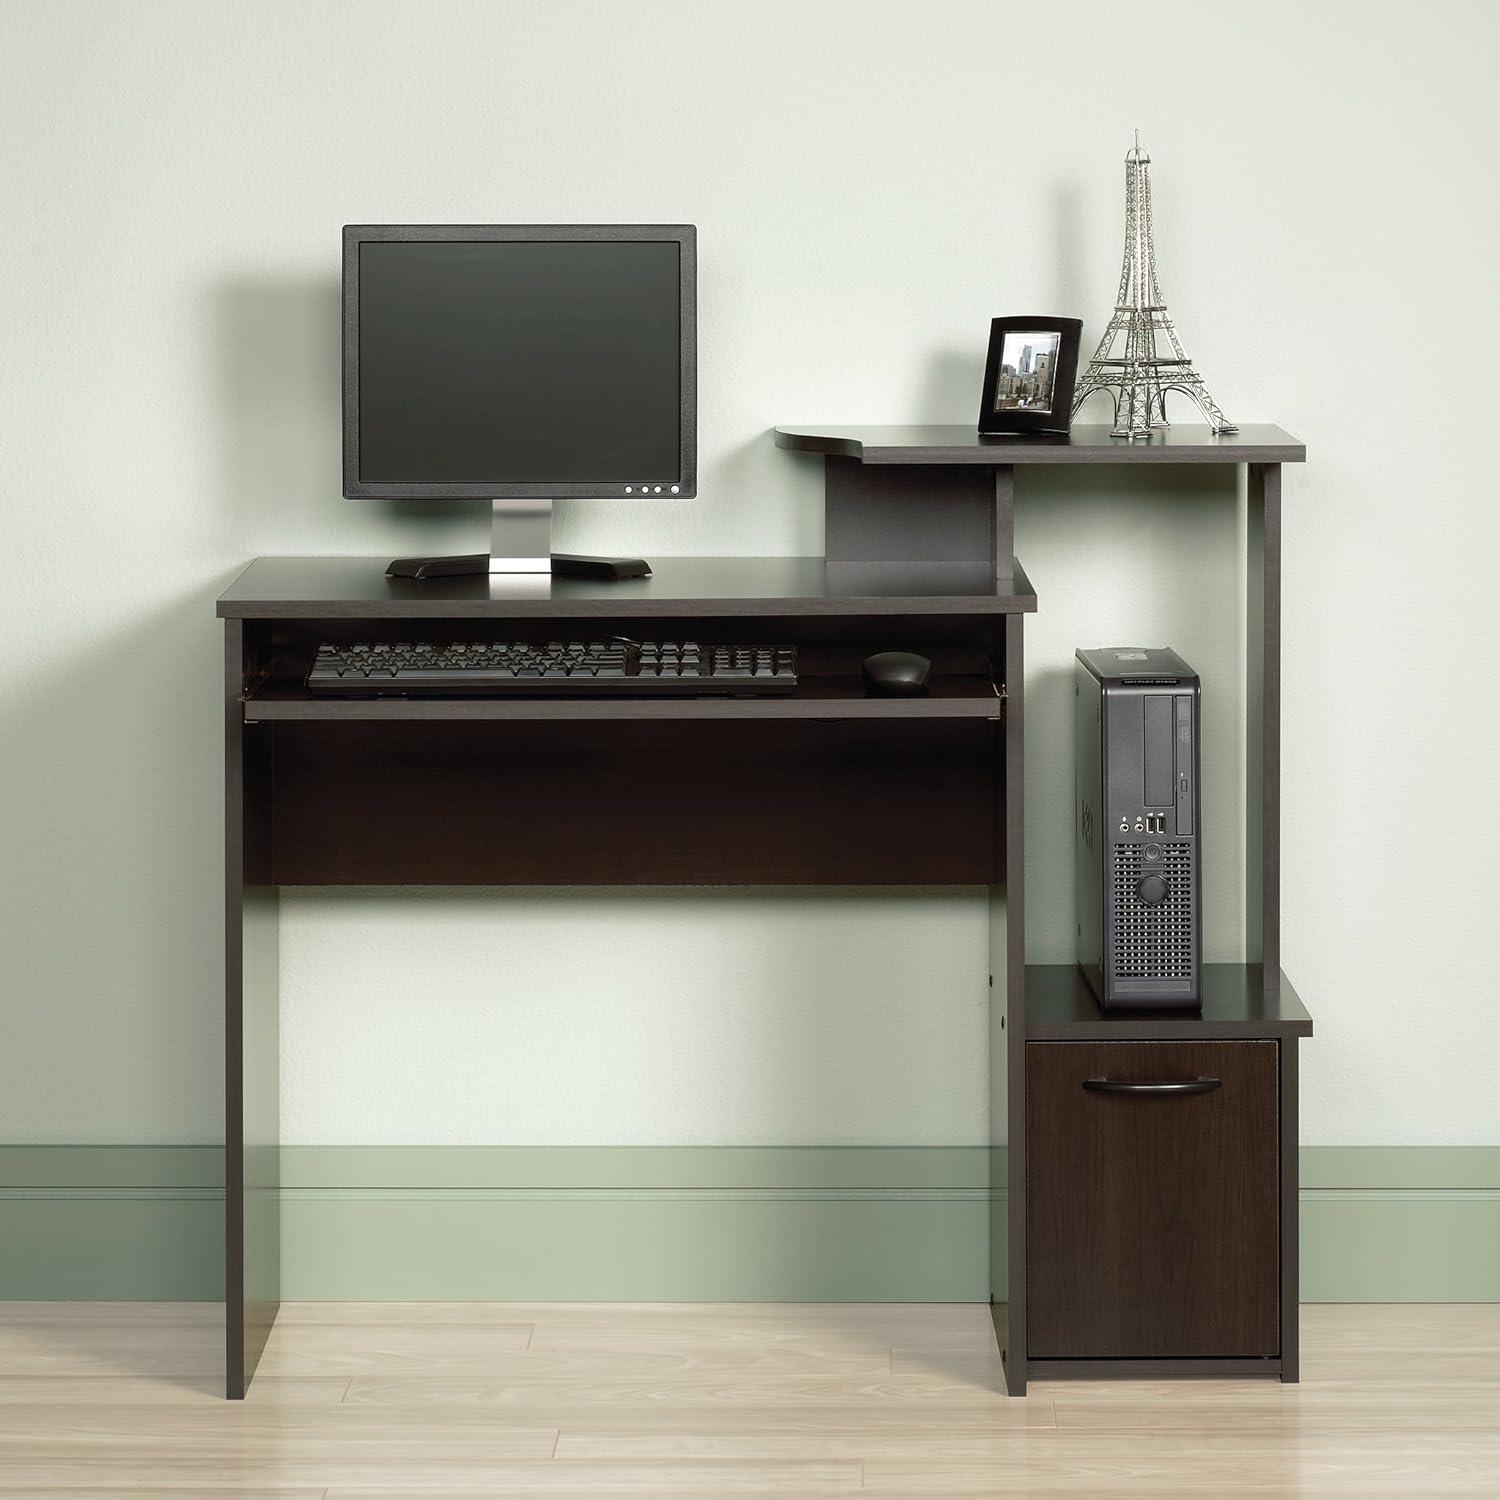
<point>448,1399</point>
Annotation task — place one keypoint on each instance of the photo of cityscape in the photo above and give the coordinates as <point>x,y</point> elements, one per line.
<point>1027,362</point>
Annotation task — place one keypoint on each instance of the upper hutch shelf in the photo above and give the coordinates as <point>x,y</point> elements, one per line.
<point>1085,444</point>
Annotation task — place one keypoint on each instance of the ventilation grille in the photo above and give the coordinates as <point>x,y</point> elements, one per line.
<point>1153,942</point>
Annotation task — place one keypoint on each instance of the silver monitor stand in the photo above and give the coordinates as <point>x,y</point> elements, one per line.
<point>520,546</point>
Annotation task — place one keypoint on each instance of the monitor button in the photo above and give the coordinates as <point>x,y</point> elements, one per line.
<point>627,489</point>
<point>658,489</point>
<point>676,488</point>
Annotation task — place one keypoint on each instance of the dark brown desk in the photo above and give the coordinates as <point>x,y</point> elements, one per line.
<point>830,787</point>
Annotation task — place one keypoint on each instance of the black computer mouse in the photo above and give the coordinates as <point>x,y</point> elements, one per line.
<point>896,672</point>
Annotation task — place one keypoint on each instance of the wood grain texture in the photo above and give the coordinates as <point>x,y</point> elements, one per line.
<point>175,1492</point>
<point>879,803</point>
<point>1152,1221</point>
<point>1395,1400</point>
<point>1201,1464</point>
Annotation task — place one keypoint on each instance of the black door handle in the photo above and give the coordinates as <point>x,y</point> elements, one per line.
<point>1163,1086</point>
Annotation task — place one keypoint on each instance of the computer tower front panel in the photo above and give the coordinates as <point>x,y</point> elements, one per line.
<point>1139,863</point>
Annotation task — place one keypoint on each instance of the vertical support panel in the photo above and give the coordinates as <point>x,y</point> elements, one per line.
<point>1008,1035</point>
<point>909,514</point>
<point>1263,846</point>
<point>1290,1182</point>
<point>252,1136</point>
<point>1263,723</point>
<point>1005,524</point>
<point>999,1224</point>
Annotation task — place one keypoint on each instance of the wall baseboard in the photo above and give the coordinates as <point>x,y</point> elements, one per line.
<point>1379,1224</point>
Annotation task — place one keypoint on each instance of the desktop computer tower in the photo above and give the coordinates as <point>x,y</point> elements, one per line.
<point>1138,856</point>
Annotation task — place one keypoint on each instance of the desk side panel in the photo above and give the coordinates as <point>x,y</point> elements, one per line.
<point>1008,1027</point>
<point>1263,721</point>
<point>1291,1293</point>
<point>252,1139</point>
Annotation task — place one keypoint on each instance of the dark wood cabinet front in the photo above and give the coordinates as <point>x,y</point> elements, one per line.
<point>1151,1183</point>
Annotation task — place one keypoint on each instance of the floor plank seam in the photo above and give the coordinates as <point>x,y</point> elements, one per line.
<point>722,1401</point>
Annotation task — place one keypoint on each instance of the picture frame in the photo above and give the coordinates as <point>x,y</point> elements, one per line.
<point>1029,375</point>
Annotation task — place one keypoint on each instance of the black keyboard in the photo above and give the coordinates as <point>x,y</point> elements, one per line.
<point>565,669</point>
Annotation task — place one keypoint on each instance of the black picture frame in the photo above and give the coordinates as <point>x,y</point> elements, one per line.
<point>1055,417</point>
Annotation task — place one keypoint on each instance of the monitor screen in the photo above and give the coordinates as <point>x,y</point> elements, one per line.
<point>500,362</point>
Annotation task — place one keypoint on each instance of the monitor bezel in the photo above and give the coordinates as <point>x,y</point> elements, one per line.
<point>630,486</point>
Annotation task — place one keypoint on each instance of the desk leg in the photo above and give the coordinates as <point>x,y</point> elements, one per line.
<point>1290,1280</point>
<point>1263,724</point>
<point>252,1131</point>
<point>1008,1029</point>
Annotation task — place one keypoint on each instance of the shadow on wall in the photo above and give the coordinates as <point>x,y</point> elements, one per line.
<point>1067,237</point>
<point>950,385</point>
<point>114,934</point>
<point>1071,299</point>
<point>277,356</point>
<point>1051,913</point>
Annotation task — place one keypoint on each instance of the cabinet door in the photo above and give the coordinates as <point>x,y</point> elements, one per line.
<point>1151,1215</point>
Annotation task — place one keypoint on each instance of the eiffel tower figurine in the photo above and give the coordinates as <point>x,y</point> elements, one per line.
<point>1138,378</point>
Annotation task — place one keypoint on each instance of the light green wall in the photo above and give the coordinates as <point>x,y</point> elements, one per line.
<point>709,1224</point>
<point>169,403</point>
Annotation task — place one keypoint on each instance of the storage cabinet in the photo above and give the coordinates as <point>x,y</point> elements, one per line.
<point>1152,1188</point>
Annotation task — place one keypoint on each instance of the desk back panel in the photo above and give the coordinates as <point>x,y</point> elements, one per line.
<point>634,803</point>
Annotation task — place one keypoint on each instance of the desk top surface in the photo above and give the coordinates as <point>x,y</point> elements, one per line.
<point>1086,443</point>
<point>681,587</point>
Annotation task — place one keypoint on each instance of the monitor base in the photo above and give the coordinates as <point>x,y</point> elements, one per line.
<point>520,547</point>
<point>477,565</point>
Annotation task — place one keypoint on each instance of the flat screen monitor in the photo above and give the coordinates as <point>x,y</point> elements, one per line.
<point>519,361</point>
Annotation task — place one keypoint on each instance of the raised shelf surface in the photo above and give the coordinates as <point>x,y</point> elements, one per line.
<point>351,588</point>
<point>1086,443</point>
<point>1061,1007</point>
<point>816,698</point>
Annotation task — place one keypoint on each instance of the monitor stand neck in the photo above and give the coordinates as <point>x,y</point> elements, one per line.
<point>520,547</point>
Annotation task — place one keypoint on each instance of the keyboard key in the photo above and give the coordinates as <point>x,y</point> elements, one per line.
<point>576,668</point>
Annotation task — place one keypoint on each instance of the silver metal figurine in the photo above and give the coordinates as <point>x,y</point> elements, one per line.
<point>1150,359</point>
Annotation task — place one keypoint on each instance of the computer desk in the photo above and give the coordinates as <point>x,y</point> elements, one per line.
<point>826,787</point>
